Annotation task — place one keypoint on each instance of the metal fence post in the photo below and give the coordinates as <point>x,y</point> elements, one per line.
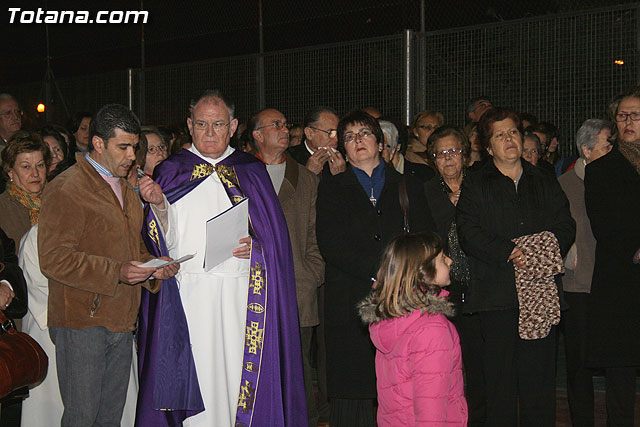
<point>130,88</point>
<point>408,77</point>
<point>260,83</point>
<point>141,96</point>
<point>421,73</point>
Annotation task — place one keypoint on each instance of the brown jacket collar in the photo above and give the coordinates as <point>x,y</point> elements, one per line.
<point>290,182</point>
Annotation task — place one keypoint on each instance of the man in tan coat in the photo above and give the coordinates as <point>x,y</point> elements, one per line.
<point>90,248</point>
<point>296,187</point>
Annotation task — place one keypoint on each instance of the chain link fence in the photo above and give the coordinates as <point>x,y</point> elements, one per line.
<point>344,76</point>
<point>561,68</point>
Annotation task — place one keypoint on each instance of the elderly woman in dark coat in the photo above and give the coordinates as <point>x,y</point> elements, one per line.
<point>358,213</point>
<point>612,198</point>
<point>450,151</point>
<point>508,198</point>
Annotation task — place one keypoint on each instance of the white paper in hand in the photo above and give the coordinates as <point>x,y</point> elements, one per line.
<point>223,233</point>
<point>158,263</point>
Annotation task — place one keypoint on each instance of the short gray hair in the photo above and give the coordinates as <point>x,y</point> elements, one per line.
<point>535,138</point>
<point>588,133</point>
<point>390,132</point>
<point>7,96</point>
<point>215,93</point>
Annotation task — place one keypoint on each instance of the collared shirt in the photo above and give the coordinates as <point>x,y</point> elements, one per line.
<point>308,149</point>
<point>113,181</point>
<point>97,166</point>
<point>372,185</point>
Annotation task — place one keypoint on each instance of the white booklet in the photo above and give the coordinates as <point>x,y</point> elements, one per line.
<point>223,233</point>
<point>157,262</point>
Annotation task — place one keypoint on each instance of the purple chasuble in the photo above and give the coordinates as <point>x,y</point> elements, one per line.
<point>272,388</point>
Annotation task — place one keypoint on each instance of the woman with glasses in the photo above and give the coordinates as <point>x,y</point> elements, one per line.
<point>532,152</point>
<point>514,225</point>
<point>612,199</point>
<point>152,149</point>
<point>358,212</point>
<point>423,125</point>
<point>450,151</point>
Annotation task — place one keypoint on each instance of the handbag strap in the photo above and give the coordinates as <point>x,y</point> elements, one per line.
<point>404,203</point>
<point>6,324</point>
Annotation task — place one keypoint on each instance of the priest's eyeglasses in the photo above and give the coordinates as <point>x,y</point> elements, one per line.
<point>217,126</point>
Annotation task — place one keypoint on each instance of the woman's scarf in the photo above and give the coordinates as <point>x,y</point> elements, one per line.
<point>28,200</point>
<point>631,152</point>
<point>460,265</point>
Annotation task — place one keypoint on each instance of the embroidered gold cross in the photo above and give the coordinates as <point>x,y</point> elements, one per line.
<point>254,338</point>
<point>200,171</point>
<point>257,279</point>
<point>247,396</point>
<point>227,175</point>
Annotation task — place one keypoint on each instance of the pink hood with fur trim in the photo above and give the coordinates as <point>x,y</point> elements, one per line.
<point>418,366</point>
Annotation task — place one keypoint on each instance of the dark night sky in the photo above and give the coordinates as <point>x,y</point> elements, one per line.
<point>190,31</point>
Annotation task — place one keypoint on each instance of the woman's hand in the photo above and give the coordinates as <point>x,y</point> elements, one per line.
<point>518,258</point>
<point>6,295</point>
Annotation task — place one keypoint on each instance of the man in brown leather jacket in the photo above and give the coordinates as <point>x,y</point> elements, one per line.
<point>90,249</point>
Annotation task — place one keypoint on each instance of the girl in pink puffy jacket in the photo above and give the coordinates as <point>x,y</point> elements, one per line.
<point>418,357</point>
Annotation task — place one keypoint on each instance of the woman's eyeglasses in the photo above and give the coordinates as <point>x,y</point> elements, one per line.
<point>453,152</point>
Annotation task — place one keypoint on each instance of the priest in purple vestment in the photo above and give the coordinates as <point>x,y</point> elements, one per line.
<point>195,368</point>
